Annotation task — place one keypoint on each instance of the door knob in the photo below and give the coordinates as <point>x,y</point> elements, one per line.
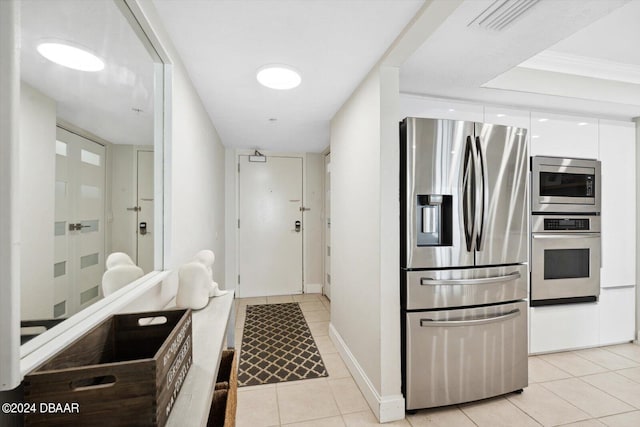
<point>298,226</point>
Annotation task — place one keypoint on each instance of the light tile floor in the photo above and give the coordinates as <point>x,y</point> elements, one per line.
<point>585,388</point>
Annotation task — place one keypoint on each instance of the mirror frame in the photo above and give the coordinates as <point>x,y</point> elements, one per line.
<point>18,360</point>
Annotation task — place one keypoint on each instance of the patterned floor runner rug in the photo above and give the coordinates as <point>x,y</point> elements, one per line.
<point>277,346</point>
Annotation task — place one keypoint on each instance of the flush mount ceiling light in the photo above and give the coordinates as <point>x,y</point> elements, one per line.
<point>70,56</point>
<point>278,76</point>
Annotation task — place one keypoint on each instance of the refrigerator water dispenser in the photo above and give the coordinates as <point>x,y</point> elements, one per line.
<point>433,212</point>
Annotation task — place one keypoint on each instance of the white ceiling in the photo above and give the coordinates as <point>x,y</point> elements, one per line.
<point>598,63</point>
<point>334,43</point>
<point>467,62</point>
<point>99,102</point>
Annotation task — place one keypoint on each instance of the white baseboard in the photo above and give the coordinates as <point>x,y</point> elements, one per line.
<point>387,408</point>
<point>313,288</point>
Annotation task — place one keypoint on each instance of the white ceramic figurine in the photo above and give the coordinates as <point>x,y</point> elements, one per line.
<point>193,286</point>
<point>121,271</point>
<point>207,258</point>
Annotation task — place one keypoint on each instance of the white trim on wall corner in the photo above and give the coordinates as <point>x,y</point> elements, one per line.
<point>385,408</point>
<point>313,288</point>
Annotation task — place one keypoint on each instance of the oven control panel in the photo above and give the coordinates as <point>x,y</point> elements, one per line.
<point>564,224</point>
<point>561,224</point>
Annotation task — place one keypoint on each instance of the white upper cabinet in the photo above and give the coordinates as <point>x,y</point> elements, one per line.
<point>617,153</point>
<point>418,106</point>
<point>563,136</point>
<point>507,117</point>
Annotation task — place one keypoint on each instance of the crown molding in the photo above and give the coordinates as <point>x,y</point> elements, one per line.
<point>584,66</point>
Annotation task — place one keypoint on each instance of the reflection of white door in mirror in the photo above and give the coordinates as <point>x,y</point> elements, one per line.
<point>79,223</point>
<point>110,113</point>
<point>145,211</point>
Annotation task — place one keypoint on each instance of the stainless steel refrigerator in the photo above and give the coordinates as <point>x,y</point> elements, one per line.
<point>463,260</point>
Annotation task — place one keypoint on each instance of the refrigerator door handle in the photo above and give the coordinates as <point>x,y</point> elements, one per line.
<point>481,321</point>
<point>425,281</point>
<point>468,203</point>
<point>483,193</point>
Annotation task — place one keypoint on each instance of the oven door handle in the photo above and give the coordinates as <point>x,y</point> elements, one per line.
<point>482,321</point>
<point>566,236</point>
<point>424,281</point>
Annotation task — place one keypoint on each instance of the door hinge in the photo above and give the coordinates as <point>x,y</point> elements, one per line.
<point>238,167</point>
<point>238,279</point>
<point>238,222</point>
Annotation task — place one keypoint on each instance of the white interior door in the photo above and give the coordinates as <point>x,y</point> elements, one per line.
<point>79,222</point>
<point>327,225</point>
<point>270,249</point>
<point>145,213</point>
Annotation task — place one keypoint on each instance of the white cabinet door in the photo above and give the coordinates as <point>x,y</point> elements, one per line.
<point>563,136</point>
<point>617,153</point>
<point>617,315</point>
<point>507,117</point>
<point>418,106</point>
<point>563,327</point>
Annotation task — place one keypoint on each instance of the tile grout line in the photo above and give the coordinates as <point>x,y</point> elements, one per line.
<point>576,352</point>
<point>554,365</point>
<point>465,414</point>
<point>607,392</point>
<point>580,379</point>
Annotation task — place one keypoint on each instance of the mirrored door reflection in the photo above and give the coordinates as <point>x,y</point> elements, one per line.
<point>85,123</point>
<point>79,241</point>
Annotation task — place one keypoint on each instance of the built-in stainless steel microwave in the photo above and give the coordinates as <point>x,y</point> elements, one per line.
<point>565,185</point>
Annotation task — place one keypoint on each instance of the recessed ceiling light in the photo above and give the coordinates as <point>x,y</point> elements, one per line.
<point>278,76</point>
<point>543,120</point>
<point>451,110</point>
<point>500,115</point>
<point>583,124</point>
<point>535,136</point>
<point>70,56</point>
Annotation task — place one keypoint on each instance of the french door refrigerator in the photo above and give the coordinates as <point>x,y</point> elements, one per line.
<point>463,192</point>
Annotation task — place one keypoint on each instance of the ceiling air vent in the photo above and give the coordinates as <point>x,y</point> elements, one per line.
<point>502,13</point>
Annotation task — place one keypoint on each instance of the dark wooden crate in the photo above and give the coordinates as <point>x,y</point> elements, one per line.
<point>126,371</point>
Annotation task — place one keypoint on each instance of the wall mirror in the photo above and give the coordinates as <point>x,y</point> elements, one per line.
<point>90,156</point>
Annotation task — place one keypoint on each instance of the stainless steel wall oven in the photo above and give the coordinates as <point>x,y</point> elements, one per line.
<point>565,259</point>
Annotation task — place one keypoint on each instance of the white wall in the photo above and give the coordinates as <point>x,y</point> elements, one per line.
<point>121,194</point>
<point>197,185</point>
<point>365,304</point>
<point>637,120</point>
<point>196,162</point>
<point>231,244</point>
<point>37,201</point>
<point>9,208</point>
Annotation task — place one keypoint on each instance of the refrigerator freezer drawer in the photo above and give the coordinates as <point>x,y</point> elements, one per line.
<point>456,356</point>
<point>458,288</point>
